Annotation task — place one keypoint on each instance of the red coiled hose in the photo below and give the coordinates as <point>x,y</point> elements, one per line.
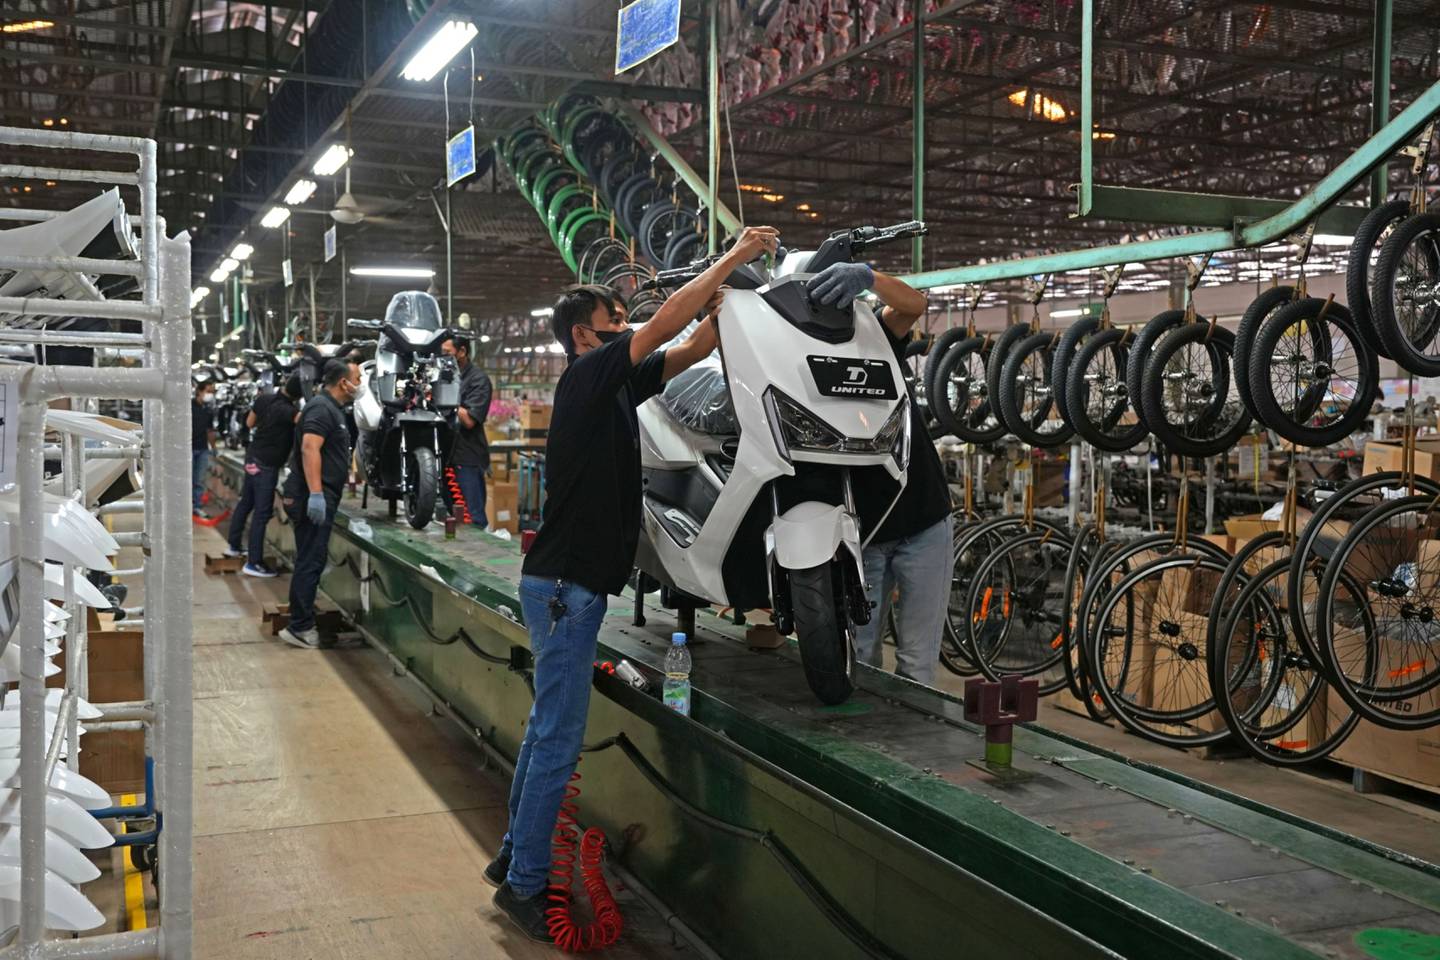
<point>605,929</point>
<point>456,497</point>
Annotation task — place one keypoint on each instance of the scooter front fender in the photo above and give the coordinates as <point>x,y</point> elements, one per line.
<point>810,534</point>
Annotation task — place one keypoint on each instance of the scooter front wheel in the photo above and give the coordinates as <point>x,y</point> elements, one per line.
<point>424,481</point>
<point>822,627</point>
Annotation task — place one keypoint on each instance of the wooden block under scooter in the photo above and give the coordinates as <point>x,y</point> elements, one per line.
<point>763,636</point>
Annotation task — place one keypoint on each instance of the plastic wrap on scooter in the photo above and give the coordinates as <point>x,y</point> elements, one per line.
<point>700,397</point>
<point>415,309</point>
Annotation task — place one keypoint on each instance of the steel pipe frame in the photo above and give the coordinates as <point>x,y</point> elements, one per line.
<point>1375,151</point>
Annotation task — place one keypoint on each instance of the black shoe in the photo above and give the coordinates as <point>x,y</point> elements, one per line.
<point>498,869</point>
<point>527,913</point>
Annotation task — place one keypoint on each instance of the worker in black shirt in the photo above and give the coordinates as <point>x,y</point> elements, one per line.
<point>319,467</point>
<point>912,547</point>
<point>470,454</point>
<point>586,544</point>
<point>271,421</point>
<point>202,441</point>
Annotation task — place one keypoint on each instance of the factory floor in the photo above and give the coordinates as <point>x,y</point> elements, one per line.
<point>335,816</point>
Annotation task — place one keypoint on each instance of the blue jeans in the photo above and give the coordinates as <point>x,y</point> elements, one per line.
<point>312,545</point>
<point>921,566</point>
<point>472,488</point>
<point>199,464</point>
<point>564,620</point>
<point>257,497</point>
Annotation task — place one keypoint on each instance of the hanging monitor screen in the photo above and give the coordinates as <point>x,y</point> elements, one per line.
<point>643,29</point>
<point>460,156</point>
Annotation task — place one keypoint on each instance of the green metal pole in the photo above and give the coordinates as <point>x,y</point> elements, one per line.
<point>917,245</point>
<point>1087,106</point>
<point>712,117</point>
<point>1380,92</point>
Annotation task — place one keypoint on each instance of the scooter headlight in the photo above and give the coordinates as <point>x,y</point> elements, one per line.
<point>799,429</point>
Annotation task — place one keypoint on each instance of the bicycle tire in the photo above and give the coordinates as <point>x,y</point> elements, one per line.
<point>1100,424</point>
<point>1026,364</point>
<point>977,421</point>
<point>1270,360</point>
<point>1215,424</point>
<point>1369,238</point>
<point>1261,307</point>
<point>1409,339</point>
<point>1144,341</point>
<point>994,364</point>
<point>943,342</point>
<point>980,597</point>
<point>1062,358</point>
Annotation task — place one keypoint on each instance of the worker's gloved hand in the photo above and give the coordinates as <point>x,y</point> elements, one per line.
<point>840,283</point>
<point>315,508</point>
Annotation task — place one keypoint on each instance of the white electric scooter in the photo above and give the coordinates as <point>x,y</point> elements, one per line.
<point>746,462</point>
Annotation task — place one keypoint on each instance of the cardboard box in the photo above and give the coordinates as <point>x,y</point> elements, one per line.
<point>1250,526</point>
<point>1380,457</point>
<point>500,467</point>
<point>115,760</point>
<point>502,506</point>
<point>1051,483</point>
<point>534,422</point>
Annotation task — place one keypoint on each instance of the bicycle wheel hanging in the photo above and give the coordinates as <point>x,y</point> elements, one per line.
<point>1313,378</point>
<point>1141,345</point>
<point>1000,350</point>
<point>1405,295</point>
<point>1260,309</point>
<point>1189,398</point>
<point>1027,397</point>
<point>1098,402</point>
<point>1370,237</point>
<point>960,400</point>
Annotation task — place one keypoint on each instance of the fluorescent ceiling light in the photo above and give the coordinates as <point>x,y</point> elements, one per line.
<point>484,338</point>
<point>542,312</point>
<point>332,160</point>
<point>229,264</point>
<point>398,272</point>
<point>439,50</point>
<point>27,26</point>
<point>242,251</point>
<point>1333,240</point>
<point>198,294</point>
<point>302,191</point>
<point>218,276</point>
<point>1060,314</point>
<point>274,217</point>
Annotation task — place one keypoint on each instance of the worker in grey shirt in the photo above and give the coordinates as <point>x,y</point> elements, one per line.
<point>470,453</point>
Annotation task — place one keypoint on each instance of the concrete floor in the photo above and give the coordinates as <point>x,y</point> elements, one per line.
<point>336,817</point>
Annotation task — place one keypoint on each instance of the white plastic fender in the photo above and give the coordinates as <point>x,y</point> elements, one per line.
<point>65,907</point>
<point>61,855</point>
<point>10,736</point>
<point>84,709</point>
<point>808,534</point>
<point>63,781</point>
<point>84,591</point>
<point>63,815</point>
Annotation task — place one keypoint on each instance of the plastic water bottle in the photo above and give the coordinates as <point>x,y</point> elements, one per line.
<point>676,693</point>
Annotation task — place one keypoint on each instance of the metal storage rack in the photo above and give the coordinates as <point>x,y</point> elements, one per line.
<point>162,382</point>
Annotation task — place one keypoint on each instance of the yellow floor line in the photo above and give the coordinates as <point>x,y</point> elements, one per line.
<point>134,882</point>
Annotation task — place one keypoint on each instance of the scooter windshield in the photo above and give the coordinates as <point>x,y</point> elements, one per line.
<point>414,309</point>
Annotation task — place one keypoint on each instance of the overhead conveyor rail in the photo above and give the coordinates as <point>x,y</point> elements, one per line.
<point>906,844</point>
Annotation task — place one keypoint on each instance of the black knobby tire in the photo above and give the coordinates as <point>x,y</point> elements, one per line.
<point>1027,360</point>
<point>1144,341</point>
<point>1219,343</point>
<point>943,342</point>
<point>965,423</point>
<point>1368,239</point>
<point>1107,432</point>
<point>1263,367</point>
<point>1009,338</point>
<point>1261,307</point>
<point>822,628</point>
<point>423,486</point>
<point>1412,345</point>
<point>1063,356</point>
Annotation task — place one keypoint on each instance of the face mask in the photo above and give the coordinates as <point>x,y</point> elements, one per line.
<point>606,336</point>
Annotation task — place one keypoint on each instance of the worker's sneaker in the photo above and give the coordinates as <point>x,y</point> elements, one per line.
<point>499,867</point>
<point>304,639</point>
<point>527,913</point>
<point>258,570</point>
<point>233,552</point>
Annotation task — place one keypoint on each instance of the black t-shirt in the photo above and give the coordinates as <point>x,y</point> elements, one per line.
<point>926,499</point>
<point>202,421</point>
<point>274,431</point>
<point>592,469</point>
<point>470,448</point>
<point>323,417</point>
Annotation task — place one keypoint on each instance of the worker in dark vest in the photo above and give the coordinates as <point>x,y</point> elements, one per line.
<point>319,467</point>
<point>271,420</point>
<point>470,454</point>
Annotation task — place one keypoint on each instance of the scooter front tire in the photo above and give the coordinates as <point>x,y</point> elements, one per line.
<point>424,482</point>
<point>822,627</point>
